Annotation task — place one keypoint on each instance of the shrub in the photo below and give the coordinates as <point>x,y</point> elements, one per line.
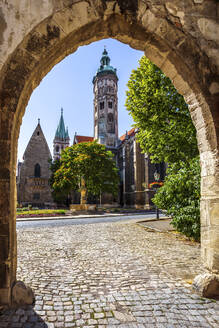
<point>180,197</point>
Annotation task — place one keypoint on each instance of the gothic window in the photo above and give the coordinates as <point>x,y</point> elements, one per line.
<point>38,133</point>
<point>57,149</point>
<point>36,196</point>
<point>110,104</point>
<point>37,171</point>
<point>101,126</point>
<point>110,123</point>
<point>102,105</point>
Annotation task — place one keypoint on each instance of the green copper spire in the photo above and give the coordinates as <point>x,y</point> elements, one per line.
<point>105,67</point>
<point>66,133</point>
<point>61,132</point>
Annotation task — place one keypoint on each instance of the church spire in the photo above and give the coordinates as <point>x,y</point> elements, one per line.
<point>60,131</point>
<point>61,140</point>
<point>105,67</point>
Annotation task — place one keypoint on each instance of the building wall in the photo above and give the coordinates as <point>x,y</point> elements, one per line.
<point>136,172</point>
<point>33,188</point>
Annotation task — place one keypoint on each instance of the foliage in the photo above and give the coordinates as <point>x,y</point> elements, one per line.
<point>31,212</point>
<point>180,197</point>
<point>90,161</point>
<point>166,131</point>
<point>59,194</point>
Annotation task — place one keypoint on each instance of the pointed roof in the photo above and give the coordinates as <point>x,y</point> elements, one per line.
<point>105,67</point>
<point>61,132</point>
<point>37,144</point>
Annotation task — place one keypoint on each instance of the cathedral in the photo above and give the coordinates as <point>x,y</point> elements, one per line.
<point>135,168</point>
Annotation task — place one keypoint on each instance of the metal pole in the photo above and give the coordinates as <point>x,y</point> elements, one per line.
<point>157,210</point>
<point>157,213</point>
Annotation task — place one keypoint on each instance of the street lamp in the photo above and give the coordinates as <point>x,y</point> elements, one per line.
<point>157,178</point>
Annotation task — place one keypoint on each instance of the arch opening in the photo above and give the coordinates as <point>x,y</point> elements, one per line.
<point>52,40</point>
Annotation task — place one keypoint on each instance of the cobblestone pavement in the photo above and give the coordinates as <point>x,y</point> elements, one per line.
<point>109,275</point>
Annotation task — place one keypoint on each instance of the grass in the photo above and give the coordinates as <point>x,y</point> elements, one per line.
<point>35,212</point>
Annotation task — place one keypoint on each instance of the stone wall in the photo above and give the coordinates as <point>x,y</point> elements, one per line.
<point>181,37</point>
<point>28,185</point>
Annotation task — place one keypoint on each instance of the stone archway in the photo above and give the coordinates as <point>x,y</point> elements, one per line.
<point>35,37</point>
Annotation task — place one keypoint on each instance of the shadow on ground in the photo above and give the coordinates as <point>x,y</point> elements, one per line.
<point>21,318</point>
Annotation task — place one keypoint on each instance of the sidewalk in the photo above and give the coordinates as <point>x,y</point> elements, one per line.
<point>161,225</point>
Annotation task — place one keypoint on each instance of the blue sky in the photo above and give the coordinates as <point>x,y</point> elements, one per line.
<point>69,85</point>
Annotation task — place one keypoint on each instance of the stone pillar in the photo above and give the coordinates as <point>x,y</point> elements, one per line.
<point>207,127</point>
<point>210,211</point>
<point>8,246</point>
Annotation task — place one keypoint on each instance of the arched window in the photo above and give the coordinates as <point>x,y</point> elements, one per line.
<point>110,123</point>
<point>110,118</point>
<point>57,149</point>
<point>37,171</point>
<point>102,105</point>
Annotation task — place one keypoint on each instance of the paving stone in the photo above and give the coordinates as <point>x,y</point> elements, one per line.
<point>109,275</point>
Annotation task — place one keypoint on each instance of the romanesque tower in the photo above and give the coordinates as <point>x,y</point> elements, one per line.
<point>61,140</point>
<point>106,103</point>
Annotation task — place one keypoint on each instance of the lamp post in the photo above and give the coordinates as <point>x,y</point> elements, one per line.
<point>157,178</point>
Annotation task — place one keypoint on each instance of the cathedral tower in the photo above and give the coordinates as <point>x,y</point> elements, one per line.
<point>106,103</point>
<point>61,140</point>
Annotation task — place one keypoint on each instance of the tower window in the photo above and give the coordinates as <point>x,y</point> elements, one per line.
<point>110,123</point>
<point>110,118</point>
<point>110,104</point>
<point>37,171</point>
<point>36,196</point>
<point>38,133</point>
<point>102,105</point>
<point>57,149</point>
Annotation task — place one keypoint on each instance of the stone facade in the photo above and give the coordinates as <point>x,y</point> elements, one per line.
<point>137,173</point>
<point>106,103</point>
<point>34,173</point>
<point>180,37</point>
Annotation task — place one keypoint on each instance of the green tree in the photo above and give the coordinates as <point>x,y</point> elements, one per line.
<point>166,133</point>
<point>87,165</point>
<point>59,195</point>
<point>180,197</point>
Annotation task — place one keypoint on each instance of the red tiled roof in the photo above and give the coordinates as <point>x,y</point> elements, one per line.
<point>79,139</point>
<point>130,134</point>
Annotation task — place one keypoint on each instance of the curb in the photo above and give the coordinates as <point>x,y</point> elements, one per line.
<point>77,217</point>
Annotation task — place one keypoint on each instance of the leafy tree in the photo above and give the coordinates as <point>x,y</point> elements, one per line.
<point>87,165</point>
<point>59,195</point>
<point>180,196</point>
<point>166,131</point>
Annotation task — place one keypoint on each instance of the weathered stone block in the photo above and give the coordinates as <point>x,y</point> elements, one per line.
<point>207,285</point>
<point>22,295</point>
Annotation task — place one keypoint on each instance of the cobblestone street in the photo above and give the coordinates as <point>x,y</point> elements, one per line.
<point>109,275</point>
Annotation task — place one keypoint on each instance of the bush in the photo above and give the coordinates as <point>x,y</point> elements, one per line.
<point>180,197</point>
